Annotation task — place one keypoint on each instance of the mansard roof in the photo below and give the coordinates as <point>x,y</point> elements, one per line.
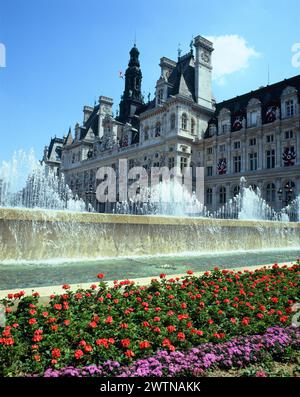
<point>182,77</point>
<point>52,142</point>
<point>91,123</point>
<point>267,95</point>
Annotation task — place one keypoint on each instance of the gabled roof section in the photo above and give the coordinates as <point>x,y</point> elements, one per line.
<point>182,78</point>
<point>92,123</point>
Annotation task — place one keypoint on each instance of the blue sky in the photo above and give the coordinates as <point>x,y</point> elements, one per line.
<point>63,54</point>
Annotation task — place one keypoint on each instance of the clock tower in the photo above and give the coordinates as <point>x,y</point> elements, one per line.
<point>203,71</point>
<point>132,97</point>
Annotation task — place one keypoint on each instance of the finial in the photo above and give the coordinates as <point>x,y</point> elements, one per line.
<point>191,45</point>
<point>179,50</point>
<point>149,97</point>
<point>135,38</point>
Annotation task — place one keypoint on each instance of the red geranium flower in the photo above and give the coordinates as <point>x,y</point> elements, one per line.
<point>55,353</point>
<point>144,344</point>
<point>78,354</point>
<point>100,275</point>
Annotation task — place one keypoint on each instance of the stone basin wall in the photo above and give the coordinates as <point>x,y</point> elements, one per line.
<point>39,235</point>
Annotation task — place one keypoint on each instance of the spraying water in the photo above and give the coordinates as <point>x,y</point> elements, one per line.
<point>26,182</point>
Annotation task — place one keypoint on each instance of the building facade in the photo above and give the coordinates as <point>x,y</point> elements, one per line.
<point>255,135</point>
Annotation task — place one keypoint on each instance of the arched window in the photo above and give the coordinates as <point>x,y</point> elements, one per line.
<point>172,121</point>
<point>209,196</point>
<point>157,129</point>
<point>222,195</point>
<point>193,124</point>
<point>271,192</point>
<point>184,122</point>
<point>236,190</point>
<point>146,133</point>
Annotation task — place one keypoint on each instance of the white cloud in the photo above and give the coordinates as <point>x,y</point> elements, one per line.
<point>231,54</point>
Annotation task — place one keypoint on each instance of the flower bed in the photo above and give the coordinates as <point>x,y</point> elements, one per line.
<point>126,323</point>
<point>236,353</point>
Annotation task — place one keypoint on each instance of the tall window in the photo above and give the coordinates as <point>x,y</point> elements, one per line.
<point>209,196</point>
<point>209,171</point>
<point>160,96</point>
<point>171,162</point>
<point>172,121</point>
<point>253,118</point>
<point>237,164</point>
<point>253,161</point>
<point>289,108</point>
<point>183,162</point>
<point>184,122</point>
<point>222,195</point>
<point>252,142</point>
<point>270,192</point>
<point>146,133</point>
<point>289,134</point>
<point>237,145</point>
<point>209,150</point>
<point>224,127</point>
<point>193,126</point>
<point>270,156</point>
<point>270,138</point>
<point>157,129</point>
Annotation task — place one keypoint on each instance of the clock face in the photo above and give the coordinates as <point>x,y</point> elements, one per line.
<point>205,56</point>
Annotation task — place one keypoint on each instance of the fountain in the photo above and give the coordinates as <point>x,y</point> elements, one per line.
<point>41,220</point>
<point>28,183</point>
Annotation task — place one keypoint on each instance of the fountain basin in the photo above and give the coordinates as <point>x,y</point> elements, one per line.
<point>45,234</point>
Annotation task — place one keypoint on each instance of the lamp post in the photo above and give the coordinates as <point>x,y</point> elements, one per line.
<point>285,194</point>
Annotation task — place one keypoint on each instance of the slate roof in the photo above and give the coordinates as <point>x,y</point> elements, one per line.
<point>185,70</point>
<point>92,122</point>
<point>268,96</point>
<point>52,142</point>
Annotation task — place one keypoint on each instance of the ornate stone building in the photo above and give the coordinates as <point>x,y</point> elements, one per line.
<point>256,135</point>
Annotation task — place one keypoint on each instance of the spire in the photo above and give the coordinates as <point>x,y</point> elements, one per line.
<point>132,96</point>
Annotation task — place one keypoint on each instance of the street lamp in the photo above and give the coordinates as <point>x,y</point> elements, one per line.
<point>285,194</point>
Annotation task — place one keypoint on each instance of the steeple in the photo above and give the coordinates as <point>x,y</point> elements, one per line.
<point>132,96</point>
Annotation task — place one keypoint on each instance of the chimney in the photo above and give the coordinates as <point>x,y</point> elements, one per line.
<point>87,111</point>
<point>203,72</point>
